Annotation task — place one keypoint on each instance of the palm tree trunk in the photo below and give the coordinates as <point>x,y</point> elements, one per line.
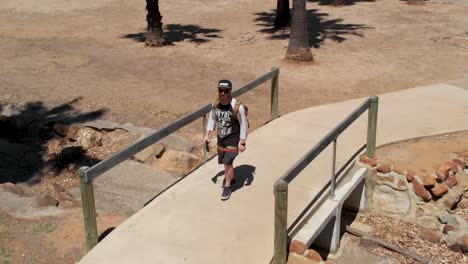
<point>298,48</point>
<point>154,36</point>
<point>283,14</point>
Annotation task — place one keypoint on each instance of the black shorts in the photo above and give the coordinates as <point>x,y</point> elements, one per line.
<point>227,157</point>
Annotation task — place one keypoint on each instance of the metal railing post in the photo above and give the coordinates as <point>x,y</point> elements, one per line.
<point>89,209</point>
<point>333,176</point>
<point>274,96</point>
<point>203,135</point>
<point>372,126</point>
<point>281,217</point>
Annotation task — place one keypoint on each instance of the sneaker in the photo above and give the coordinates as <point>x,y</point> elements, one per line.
<point>233,182</point>
<point>226,193</point>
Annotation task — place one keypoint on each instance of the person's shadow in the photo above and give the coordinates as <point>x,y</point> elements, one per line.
<point>244,175</point>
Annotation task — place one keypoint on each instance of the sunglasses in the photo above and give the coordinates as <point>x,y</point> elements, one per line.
<point>224,91</point>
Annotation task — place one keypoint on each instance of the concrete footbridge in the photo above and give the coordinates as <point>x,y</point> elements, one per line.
<point>188,223</point>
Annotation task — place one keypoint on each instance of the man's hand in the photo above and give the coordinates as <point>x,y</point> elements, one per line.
<point>206,139</point>
<point>242,148</point>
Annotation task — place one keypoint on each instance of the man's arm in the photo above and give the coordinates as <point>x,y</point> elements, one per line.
<point>243,125</point>
<point>210,126</point>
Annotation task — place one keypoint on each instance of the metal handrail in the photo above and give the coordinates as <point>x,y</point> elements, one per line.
<point>281,185</point>
<point>88,174</point>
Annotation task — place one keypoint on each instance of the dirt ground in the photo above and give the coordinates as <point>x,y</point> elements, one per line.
<point>90,56</point>
<point>55,51</point>
<point>425,155</point>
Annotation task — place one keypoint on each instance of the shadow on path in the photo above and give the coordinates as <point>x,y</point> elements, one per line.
<point>319,27</point>
<point>244,175</point>
<point>176,33</point>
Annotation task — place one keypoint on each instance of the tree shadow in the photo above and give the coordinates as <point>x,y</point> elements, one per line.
<point>318,27</point>
<point>244,175</point>
<point>176,33</point>
<point>25,132</point>
<point>338,2</point>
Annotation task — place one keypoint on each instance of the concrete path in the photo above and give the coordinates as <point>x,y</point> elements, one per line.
<point>189,224</point>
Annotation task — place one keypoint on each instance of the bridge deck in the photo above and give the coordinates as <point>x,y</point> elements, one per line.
<point>190,224</point>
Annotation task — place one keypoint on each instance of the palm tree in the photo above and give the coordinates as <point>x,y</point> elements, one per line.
<point>283,14</point>
<point>298,48</point>
<point>154,34</point>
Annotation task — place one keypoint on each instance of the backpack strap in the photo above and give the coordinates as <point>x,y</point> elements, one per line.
<point>236,108</point>
<point>215,103</point>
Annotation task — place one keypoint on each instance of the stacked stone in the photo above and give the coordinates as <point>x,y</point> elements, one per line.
<point>299,253</point>
<point>425,186</point>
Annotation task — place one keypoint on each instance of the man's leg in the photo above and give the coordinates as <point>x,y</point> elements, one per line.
<point>229,174</point>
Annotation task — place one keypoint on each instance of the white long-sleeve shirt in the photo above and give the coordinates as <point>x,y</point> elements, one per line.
<point>240,116</point>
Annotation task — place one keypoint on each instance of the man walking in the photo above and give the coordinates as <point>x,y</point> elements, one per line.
<point>229,115</point>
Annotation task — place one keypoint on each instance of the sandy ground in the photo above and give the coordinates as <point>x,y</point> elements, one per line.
<point>425,155</point>
<point>54,51</point>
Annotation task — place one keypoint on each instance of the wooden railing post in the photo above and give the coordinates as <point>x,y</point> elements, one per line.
<point>372,126</point>
<point>333,175</point>
<point>274,96</point>
<point>281,225</point>
<point>205,154</point>
<point>89,209</point>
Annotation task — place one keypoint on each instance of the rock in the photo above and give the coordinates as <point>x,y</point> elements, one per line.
<point>420,191</point>
<point>89,138</point>
<point>155,150</point>
<point>384,168</point>
<point>446,167</point>
<point>364,228</point>
<point>383,194</point>
<point>47,200</point>
<point>448,228</point>
<point>451,199</point>
<point>66,200</point>
<point>178,143</point>
<point>70,131</point>
<point>178,161</point>
<point>13,188</point>
<point>314,255</point>
<point>463,242</point>
<point>455,247</point>
<point>60,129</point>
<point>426,180</point>
<point>383,179</point>
<point>449,219</point>
<point>297,247</point>
<point>439,190</point>
<point>410,175</point>
<point>439,177</point>
<point>460,164</point>
<point>158,150</point>
<point>462,180</point>
<point>399,170</point>
<point>431,235</point>
<point>58,188</point>
<point>451,181</point>
<point>299,259</point>
<point>427,222</point>
<point>372,162</point>
<point>402,184</point>
<point>117,140</point>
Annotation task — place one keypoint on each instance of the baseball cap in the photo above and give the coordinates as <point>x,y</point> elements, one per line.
<point>224,84</point>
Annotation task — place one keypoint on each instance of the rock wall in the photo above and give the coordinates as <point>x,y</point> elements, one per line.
<point>425,199</point>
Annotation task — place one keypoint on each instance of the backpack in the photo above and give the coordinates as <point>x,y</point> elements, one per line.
<point>235,109</point>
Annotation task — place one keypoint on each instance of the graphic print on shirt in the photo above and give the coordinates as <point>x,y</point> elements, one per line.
<point>224,122</point>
